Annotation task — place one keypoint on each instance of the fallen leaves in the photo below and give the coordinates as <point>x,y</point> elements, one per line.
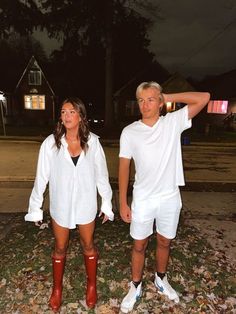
<point>203,277</point>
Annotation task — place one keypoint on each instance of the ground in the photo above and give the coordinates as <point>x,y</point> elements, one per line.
<point>203,277</point>
<point>202,264</point>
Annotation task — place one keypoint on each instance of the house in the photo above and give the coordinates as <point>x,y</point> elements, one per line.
<point>126,108</point>
<point>222,107</point>
<point>32,102</point>
<point>176,83</point>
<point>125,104</point>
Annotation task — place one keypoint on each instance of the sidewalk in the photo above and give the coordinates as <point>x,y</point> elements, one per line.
<point>205,162</point>
<point>209,197</point>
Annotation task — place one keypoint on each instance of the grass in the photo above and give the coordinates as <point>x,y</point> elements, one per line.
<point>194,271</point>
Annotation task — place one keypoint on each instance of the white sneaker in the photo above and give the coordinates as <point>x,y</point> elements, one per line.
<point>165,288</point>
<point>131,297</point>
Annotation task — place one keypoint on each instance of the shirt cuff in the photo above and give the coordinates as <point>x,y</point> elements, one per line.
<point>34,215</point>
<point>106,208</point>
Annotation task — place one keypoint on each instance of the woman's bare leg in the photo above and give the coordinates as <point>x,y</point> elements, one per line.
<point>61,235</point>
<point>86,233</point>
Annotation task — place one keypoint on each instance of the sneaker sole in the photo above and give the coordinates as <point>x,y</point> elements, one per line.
<point>129,309</point>
<point>125,310</point>
<point>176,300</point>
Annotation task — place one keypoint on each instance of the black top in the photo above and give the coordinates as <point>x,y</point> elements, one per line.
<point>75,159</point>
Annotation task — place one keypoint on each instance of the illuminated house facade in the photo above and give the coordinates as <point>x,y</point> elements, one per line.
<point>221,109</point>
<point>33,100</point>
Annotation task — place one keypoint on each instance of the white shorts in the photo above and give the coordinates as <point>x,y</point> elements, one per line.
<point>164,210</point>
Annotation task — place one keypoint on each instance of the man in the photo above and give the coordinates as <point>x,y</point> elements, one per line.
<point>154,144</point>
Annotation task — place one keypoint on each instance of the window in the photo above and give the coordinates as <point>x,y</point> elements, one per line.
<point>217,106</point>
<point>173,106</point>
<point>170,106</point>
<point>34,102</point>
<point>34,77</point>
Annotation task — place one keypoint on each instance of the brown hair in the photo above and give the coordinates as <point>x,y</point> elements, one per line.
<point>83,131</point>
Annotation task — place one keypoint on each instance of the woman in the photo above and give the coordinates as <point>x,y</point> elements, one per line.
<point>73,162</point>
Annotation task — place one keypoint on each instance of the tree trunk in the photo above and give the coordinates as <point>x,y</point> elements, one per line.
<point>109,82</point>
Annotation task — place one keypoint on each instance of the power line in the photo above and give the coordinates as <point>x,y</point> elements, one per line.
<point>207,43</point>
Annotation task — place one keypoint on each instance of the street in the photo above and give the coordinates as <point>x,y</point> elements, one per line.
<point>202,163</point>
<point>209,197</point>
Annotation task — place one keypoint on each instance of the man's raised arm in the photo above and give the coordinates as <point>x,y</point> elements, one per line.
<point>196,101</point>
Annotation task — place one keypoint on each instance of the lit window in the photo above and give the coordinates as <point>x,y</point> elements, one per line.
<point>217,106</point>
<point>34,102</point>
<point>170,106</point>
<point>34,77</point>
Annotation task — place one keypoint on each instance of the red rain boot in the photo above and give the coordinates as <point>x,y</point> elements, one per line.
<point>58,271</point>
<point>91,270</point>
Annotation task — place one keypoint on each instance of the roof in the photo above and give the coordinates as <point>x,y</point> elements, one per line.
<point>152,72</point>
<point>176,84</point>
<point>12,73</point>
<point>33,64</point>
<point>221,86</point>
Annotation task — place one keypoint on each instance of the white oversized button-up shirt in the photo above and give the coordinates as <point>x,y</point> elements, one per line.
<point>72,189</point>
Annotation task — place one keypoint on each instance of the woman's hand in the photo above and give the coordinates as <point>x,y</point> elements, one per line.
<point>105,217</point>
<point>42,225</point>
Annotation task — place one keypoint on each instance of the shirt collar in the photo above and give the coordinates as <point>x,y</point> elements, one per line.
<point>63,140</point>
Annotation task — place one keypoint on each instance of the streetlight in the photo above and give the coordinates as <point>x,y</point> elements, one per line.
<point>1,102</point>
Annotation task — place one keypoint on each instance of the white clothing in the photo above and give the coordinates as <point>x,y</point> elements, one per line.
<point>165,210</point>
<point>72,189</point>
<point>157,154</point>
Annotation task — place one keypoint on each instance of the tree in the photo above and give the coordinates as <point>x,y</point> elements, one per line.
<point>110,34</point>
<point>115,25</point>
<point>18,19</point>
<point>25,47</point>
<point>18,16</point>
<point>15,53</point>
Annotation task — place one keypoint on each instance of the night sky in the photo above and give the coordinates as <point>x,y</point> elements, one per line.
<point>195,38</point>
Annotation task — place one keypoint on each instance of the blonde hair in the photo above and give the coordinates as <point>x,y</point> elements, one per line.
<point>146,85</point>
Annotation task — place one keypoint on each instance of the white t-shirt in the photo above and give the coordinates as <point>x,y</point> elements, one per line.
<point>72,189</point>
<point>156,152</point>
